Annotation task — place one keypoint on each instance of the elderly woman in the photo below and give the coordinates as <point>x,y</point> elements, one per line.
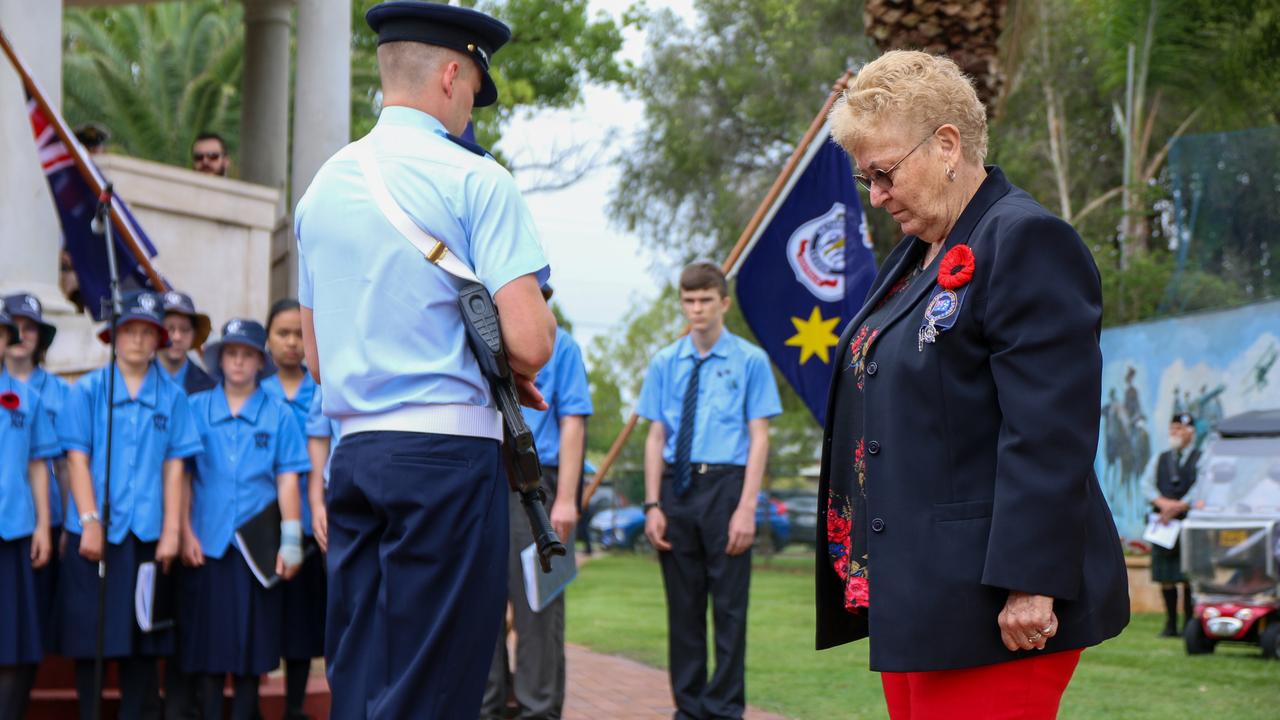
<point>963,422</point>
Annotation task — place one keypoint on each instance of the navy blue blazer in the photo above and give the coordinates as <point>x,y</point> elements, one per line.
<point>981,479</point>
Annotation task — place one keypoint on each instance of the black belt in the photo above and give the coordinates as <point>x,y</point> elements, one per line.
<point>709,469</point>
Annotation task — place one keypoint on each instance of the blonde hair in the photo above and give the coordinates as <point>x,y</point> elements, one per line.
<point>908,86</point>
<point>404,65</point>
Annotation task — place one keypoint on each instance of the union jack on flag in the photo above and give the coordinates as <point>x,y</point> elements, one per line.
<point>76,205</point>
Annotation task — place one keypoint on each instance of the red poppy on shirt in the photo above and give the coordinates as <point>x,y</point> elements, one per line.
<point>956,269</point>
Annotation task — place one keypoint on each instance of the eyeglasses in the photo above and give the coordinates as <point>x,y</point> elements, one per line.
<point>884,178</point>
<point>197,157</point>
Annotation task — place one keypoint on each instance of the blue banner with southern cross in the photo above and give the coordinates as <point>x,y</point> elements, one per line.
<point>807,271</point>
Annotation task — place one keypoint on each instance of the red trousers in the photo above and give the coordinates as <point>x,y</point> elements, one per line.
<point>1025,689</point>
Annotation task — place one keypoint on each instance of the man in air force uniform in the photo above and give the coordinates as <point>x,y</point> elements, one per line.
<point>417,499</point>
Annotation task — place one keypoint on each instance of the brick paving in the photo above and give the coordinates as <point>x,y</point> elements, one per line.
<point>606,686</point>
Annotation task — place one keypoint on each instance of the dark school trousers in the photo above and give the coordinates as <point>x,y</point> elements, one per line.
<point>417,574</point>
<point>539,672</point>
<point>695,567</point>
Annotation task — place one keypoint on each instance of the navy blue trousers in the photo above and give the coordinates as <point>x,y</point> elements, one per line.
<point>417,574</point>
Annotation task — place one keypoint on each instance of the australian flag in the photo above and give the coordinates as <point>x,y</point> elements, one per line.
<point>807,271</point>
<point>77,204</point>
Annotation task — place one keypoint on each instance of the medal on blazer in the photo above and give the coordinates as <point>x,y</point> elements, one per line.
<point>954,273</point>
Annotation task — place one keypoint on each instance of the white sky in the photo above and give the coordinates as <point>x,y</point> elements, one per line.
<point>598,270</point>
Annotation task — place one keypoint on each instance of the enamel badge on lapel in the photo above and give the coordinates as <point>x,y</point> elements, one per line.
<point>954,273</point>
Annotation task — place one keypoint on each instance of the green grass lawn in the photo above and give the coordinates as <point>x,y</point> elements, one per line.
<point>616,606</point>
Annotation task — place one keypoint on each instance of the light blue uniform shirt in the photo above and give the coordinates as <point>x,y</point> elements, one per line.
<point>563,382</point>
<point>179,378</point>
<point>25,435</point>
<point>53,392</point>
<point>387,324</point>
<point>735,386</point>
<point>235,475</point>
<point>319,426</point>
<point>300,406</point>
<point>149,429</point>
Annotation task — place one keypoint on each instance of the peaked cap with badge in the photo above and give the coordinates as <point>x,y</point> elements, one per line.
<point>468,31</point>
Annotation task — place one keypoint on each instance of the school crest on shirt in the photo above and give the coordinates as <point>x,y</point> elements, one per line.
<point>816,252</point>
<point>261,439</point>
<point>18,419</point>
<point>160,421</point>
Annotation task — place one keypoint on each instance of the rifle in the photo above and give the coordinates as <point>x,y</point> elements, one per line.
<point>519,453</point>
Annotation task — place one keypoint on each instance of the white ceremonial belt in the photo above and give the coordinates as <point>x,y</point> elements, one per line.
<point>464,420</point>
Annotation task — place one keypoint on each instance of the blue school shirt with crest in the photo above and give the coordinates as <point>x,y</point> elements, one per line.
<point>735,386</point>
<point>235,474</point>
<point>25,435</point>
<point>387,323</point>
<point>150,429</point>
<point>319,426</point>
<point>53,392</point>
<point>563,383</point>
<point>300,406</point>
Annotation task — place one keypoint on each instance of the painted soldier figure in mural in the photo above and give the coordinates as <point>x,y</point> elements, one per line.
<point>1175,474</point>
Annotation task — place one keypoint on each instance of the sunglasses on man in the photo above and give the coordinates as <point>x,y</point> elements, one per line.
<point>197,157</point>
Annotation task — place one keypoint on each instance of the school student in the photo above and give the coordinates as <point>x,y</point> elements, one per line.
<point>24,360</point>
<point>187,329</point>
<point>152,434</point>
<point>709,396</point>
<point>253,453</point>
<point>305,597</point>
<point>27,439</point>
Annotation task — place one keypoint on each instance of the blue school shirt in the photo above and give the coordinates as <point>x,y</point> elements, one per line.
<point>563,383</point>
<point>735,386</point>
<point>319,426</point>
<point>300,406</point>
<point>149,429</point>
<point>53,392</point>
<point>387,323</point>
<point>25,435</point>
<point>235,476</point>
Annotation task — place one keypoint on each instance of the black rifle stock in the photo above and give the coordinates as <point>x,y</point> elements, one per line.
<point>519,453</point>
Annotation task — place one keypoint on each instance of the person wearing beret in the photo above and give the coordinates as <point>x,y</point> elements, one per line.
<point>24,360</point>
<point>27,441</point>
<point>254,451</point>
<point>965,532</point>
<point>152,435</point>
<point>187,330</point>
<point>417,499</point>
<point>1175,474</point>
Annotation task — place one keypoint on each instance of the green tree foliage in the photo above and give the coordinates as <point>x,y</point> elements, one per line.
<point>155,75</point>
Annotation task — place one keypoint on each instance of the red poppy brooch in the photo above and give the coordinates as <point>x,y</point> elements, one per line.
<point>9,400</point>
<point>954,273</point>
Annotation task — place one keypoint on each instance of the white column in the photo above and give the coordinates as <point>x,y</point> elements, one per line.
<point>264,110</point>
<point>321,108</point>
<point>32,236</point>
<point>322,99</point>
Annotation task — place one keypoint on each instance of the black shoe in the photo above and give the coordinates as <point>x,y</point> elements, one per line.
<point>1170,629</point>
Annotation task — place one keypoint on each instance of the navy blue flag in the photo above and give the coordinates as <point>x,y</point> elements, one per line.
<point>807,271</point>
<point>76,205</point>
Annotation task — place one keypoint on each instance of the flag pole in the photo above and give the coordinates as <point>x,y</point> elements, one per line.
<point>81,157</point>
<point>731,260</point>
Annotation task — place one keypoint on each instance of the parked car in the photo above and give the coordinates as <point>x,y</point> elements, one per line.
<point>802,511</point>
<point>623,527</point>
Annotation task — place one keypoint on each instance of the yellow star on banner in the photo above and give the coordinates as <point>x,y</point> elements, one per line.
<point>814,336</point>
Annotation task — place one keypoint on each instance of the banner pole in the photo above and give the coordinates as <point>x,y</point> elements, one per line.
<point>731,260</point>
<point>81,157</point>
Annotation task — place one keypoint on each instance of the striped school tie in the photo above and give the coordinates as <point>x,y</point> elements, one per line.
<point>684,436</point>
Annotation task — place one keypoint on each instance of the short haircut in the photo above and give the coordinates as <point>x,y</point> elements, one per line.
<point>281,306</point>
<point>704,275</point>
<point>910,87</point>
<point>206,135</point>
<point>404,64</point>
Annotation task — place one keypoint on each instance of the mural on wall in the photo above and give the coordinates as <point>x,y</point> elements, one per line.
<point>1211,365</point>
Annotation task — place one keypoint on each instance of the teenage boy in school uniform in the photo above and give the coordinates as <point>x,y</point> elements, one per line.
<point>709,396</point>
